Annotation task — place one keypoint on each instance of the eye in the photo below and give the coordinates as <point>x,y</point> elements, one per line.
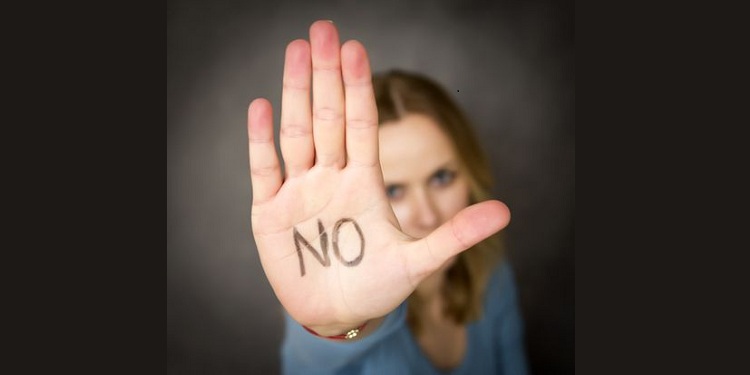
<point>394,192</point>
<point>443,177</point>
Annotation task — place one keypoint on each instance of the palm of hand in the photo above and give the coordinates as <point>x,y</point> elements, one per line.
<point>350,271</point>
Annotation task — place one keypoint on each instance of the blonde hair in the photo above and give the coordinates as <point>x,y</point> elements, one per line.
<point>399,93</point>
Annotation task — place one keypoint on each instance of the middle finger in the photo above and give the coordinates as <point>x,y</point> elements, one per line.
<point>328,95</point>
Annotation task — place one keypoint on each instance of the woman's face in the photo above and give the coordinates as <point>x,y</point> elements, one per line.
<point>422,174</point>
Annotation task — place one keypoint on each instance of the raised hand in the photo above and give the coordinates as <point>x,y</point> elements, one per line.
<point>328,240</point>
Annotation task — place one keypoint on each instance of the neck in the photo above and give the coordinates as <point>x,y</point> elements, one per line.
<point>429,289</point>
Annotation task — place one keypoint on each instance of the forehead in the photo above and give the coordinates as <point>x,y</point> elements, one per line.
<point>413,147</point>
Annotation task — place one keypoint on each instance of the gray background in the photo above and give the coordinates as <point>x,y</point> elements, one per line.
<point>509,64</point>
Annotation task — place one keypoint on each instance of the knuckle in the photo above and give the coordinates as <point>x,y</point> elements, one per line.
<point>458,236</point>
<point>294,130</point>
<point>359,123</point>
<point>327,114</point>
<point>290,85</point>
<point>264,171</point>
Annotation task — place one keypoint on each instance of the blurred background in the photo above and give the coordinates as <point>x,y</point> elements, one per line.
<point>509,64</point>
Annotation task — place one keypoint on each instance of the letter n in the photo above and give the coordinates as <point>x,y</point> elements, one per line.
<point>325,260</point>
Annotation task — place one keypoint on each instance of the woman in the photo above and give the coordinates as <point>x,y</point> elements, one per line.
<point>378,240</point>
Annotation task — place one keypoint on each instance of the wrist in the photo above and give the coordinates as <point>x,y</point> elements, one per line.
<point>338,332</point>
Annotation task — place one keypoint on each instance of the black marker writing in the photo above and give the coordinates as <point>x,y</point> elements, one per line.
<point>336,230</point>
<point>323,257</point>
<point>324,260</point>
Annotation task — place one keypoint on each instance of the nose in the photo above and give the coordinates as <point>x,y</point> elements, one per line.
<point>426,215</point>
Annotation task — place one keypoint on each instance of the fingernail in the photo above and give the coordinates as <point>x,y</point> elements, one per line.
<point>328,21</point>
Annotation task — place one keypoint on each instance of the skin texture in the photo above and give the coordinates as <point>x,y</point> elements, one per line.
<point>330,148</point>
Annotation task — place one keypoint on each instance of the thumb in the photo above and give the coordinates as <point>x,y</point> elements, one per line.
<point>470,226</point>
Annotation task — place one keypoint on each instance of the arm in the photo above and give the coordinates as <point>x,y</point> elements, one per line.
<point>303,353</point>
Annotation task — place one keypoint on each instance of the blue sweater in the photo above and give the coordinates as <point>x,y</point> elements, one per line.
<point>495,342</point>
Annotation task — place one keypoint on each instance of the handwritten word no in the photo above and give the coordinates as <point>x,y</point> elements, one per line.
<point>324,259</point>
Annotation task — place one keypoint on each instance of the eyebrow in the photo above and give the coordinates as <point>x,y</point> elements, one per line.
<point>451,163</point>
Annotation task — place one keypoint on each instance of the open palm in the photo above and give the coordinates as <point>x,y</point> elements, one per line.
<point>328,240</point>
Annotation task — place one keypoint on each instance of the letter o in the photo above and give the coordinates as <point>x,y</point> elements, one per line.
<point>335,240</point>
